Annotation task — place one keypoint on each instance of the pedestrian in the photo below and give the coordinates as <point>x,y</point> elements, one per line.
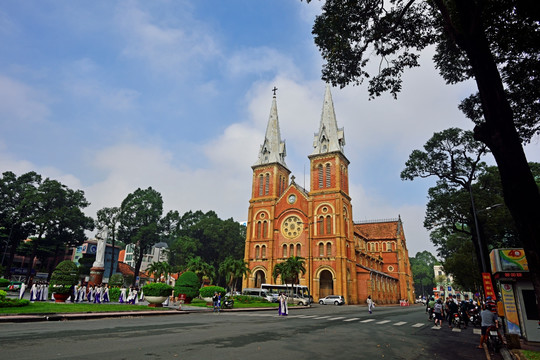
<point>489,319</point>
<point>452,309</point>
<point>22,290</point>
<point>370,304</point>
<point>105,294</point>
<point>215,301</point>
<point>284,309</point>
<point>122,298</point>
<point>438,311</point>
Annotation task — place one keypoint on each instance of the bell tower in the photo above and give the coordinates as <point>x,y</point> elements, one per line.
<point>270,180</point>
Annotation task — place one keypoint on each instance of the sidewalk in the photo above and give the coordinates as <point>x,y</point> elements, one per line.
<point>186,309</point>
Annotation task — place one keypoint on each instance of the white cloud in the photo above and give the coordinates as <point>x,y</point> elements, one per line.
<point>20,102</point>
<point>259,61</point>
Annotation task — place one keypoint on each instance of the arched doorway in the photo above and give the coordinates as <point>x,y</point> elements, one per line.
<point>260,278</point>
<point>326,284</point>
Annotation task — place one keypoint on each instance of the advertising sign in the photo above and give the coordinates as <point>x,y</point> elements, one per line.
<point>508,260</point>
<point>510,309</point>
<point>488,286</point>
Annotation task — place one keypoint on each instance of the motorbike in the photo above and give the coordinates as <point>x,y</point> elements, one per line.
<point>430,314</point>
<point>493,341</point>
<point>456,320</point>
<point>474,317</point>
<point>228,303</point>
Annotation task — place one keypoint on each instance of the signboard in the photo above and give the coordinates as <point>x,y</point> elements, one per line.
<point>488,286</point>
<point>510,309</point>
<point>508,260</point>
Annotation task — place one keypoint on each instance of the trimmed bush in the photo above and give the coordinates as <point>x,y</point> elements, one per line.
<point>2,295</point>
<point>4,283</point>
<point>157,289</point>
<point>244,299</point>
<point>114,294</point>
<point>187,283</point>
<point>64,277</point>
<point>116,280</point>
<point>14,303</point>
<point>208,291</point>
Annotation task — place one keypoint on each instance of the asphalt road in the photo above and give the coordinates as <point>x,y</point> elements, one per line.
<point>320,332</point>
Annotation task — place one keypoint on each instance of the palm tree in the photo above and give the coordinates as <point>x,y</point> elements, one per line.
<point>157,269</point>
<point>281,270</point>
<point>295,266</point>
<point>233,269</point>
<point>201,268</point>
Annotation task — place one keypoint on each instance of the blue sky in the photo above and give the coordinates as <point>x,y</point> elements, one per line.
<point>110,96</point>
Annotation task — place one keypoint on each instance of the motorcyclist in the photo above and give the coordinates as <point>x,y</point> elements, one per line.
<point>464,312</point>
<point>430,306</point>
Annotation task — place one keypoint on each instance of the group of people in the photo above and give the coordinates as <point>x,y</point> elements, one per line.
<point>38,291</point>
<point>93,294</point>
<point>448,309</point>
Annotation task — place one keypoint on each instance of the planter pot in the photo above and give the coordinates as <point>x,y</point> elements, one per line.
<point>155,301</point>
<point>184,298</point>
<point>61,297</point>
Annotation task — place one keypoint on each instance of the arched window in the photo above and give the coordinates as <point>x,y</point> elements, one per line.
<point>258,230</point>
<point>267,185</point>
<point>321,225</point>
<point>298,250</point>
<point>328,249</point>
<point>291,252</point>
<point>261,184</point>
<point>265,229</point>
<point>321,175</point>
<point>263,252</point>
<point>328,224</point>
<point>257,250</point>
<point>389,246</point>
<point>321,249</point>
<point>328,177</point>
<point>284,251</point>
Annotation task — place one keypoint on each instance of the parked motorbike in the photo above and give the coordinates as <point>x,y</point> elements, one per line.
<point>474,317</point>
<point>228,303</point>
<point>493,341</point>
<point>456,320</point>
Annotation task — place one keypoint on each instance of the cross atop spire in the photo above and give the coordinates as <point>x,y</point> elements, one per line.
<point>330,138</point>
<point>274,91</point>
<point>273,149</point>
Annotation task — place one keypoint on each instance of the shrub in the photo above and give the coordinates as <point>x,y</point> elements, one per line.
<point>114,294</point>
<point>208,291</point>
<point>157,289</point>
<point>187,283</point>
<point>64,277</point>
<point>2,295</point>
<point>4,283</point>
<point>116,280</point>
<point>245,299</point>
<point>14,302</point>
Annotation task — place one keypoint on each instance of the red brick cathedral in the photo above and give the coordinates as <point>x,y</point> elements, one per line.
<point>341,257</point>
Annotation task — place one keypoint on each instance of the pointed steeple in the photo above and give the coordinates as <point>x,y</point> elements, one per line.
<point>273,149</point>
<point>329,138</point>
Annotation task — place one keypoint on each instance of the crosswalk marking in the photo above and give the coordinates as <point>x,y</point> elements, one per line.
<point>321,317</point>
<point>336,318</point>
<point>418,325</point>
<point>367,320</point>
<point>400,323</point>
<point>382,322</point>
<point>435,327</point>
<point>477,331</point>
<point>351,319</point>
<point>456,330</point>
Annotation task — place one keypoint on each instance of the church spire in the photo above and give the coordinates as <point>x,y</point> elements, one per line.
<point>273,149</point>
<point>329,138</point>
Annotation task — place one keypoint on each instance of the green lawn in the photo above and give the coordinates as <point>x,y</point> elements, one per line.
<point>60,308</point>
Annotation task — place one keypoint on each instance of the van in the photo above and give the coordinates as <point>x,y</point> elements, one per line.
<point>262,293</point>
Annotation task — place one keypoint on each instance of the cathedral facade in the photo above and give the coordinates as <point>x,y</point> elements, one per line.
<point>341,257</point>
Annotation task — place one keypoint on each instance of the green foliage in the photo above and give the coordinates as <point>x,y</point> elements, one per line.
<point>157,289</point>
<point>187,283</point>
<point>116,280</point>
<point>66,275</point>
<point>422,270</point>
<point>6,302</point>
<point>289,270</point>
<point>4,282</point>
<point>244,299</point>
<point>114,294</point>
<point>2,295</point>
<point>208,291</point>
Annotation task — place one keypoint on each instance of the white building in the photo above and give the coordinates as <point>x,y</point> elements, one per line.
<point>158,253</point>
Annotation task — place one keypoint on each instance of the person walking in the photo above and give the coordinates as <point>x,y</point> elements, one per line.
<point>438,312</point>
<point>370,304</point>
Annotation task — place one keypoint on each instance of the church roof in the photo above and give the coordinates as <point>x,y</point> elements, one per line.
<point>272,149</point>
<point>378,230</point>
<point>330,138</point>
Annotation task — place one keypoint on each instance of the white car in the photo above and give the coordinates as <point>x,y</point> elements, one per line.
<point>332,299</point>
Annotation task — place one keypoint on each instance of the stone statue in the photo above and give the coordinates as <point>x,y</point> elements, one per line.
<point>100,253</point>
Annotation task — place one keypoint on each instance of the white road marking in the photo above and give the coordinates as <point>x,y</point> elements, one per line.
<point>382,322</point>
<point>352,319</point>
<point>418,325</point>
<point>477,331</point>
<point>336,318</point>
<point>400,323</point>
<point>436,327</point>
<point>322,317</point>
<point>366,321</point>
<point>456,330</point>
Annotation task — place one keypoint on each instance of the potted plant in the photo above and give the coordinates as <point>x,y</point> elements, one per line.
<point>63,278</point>
<point>156,293</point>
<point>187,286</point>
<point>207,292</point>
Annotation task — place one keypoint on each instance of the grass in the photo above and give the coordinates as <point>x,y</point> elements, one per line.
<point>62,308</point>
<point>531,355</point>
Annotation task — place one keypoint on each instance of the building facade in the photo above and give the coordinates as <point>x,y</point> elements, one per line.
<point>285,220</point>
<point>158,253</point>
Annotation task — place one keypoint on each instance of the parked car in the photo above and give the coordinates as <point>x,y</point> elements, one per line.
<point>300,301</point>
<point>14,285</point>
<point>332,299</point>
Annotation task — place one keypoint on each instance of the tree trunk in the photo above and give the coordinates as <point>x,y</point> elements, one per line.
<point>499,134</point>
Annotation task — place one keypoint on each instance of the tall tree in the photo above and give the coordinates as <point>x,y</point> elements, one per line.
<point>423,273</point>
<point>16,210</point>
<point>139,217</point>
<point>108,221</point>
<point>233,269</point>
<point>201,268</point>
<point>454,157</point>
<point>496,43</point>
